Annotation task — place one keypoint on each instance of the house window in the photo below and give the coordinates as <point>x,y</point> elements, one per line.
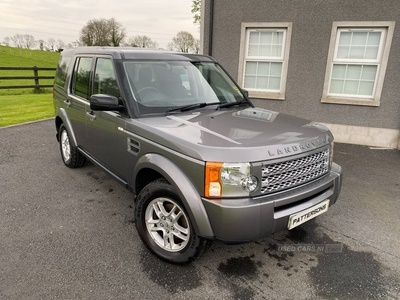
<point>357,62</point>
<point>264,59</point>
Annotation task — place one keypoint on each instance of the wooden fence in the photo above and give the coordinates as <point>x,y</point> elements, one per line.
<point>35,78</point>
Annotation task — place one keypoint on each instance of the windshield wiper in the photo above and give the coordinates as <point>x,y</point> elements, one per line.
<point>230,104</point>
<point>190,107</point>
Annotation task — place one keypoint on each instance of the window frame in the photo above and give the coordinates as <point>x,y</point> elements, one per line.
<point>286,27</point>
<point>387,29</point>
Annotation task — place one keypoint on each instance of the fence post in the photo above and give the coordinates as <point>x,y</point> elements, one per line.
<point>36,75</point>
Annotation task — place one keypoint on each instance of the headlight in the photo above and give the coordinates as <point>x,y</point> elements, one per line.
<point>229,180</point>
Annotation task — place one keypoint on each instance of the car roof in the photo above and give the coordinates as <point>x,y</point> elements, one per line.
<point>138,53</point>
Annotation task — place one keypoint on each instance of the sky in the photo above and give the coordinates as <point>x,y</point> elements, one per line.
<point>161,20</point>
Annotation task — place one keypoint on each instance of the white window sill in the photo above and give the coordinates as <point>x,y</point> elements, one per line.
<point>266,95</point>
<point>351,101</point>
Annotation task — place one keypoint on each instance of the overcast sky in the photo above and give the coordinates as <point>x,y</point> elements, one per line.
<point>161,20</point>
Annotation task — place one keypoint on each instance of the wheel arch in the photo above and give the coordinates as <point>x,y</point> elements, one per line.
<point>62,119</point>
<point>153,166</point>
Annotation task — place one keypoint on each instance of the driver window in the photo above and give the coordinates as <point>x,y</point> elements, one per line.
<point>105,81</point>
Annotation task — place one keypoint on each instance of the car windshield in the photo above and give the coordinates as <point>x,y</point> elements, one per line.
<point>162,86</point>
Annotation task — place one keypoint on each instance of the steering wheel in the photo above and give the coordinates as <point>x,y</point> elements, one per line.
<point>143,92</point>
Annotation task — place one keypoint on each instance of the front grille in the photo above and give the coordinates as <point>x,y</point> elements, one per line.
<point>288,174</point>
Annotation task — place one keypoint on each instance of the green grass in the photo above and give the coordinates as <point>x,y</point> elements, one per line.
<point>22,105</point>
<point>16,109</point>
<point>17,57</point>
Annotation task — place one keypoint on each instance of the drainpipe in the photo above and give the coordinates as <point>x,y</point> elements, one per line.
<point>398,145</point>
<point>211,28</point>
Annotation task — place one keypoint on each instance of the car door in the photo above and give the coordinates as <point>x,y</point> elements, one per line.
<point>105,141</point>
<point>78,97</point>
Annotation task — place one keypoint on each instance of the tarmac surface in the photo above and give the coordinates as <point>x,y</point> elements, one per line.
<point>70,234</point>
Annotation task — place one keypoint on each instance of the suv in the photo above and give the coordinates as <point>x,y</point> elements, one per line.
<point>202,162</point>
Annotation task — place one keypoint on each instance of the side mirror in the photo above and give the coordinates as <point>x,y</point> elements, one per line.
<point>105,103</point>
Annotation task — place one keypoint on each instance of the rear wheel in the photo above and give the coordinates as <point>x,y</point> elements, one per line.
<point>70,155</point>
<point>164,225</point>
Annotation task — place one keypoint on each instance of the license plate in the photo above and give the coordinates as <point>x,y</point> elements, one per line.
<point>308,214</point>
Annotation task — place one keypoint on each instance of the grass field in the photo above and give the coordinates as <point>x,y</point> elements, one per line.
<point>16,109</point>
<point>22,105</point>
<point>17,57</point>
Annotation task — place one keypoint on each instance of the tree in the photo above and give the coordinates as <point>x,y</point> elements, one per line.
<point>41,44</point>
<point>142,41</point>
<point>196,11</point>
<point>102,32</point>
<point>7,41</point>
<point>29,41</point>
<point>51,43</point>
<point>117,33</point>
<point>18,40</point>
<point>60,44</point>
<point>74,44</point>
<point>183,42</point>
<point>196,46</point>
<point>95,33</point>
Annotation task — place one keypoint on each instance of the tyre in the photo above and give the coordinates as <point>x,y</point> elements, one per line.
<point>164,225</point>
<point>70,155</point>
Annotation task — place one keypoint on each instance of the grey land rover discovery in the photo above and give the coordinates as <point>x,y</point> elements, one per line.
<point>202,162</point>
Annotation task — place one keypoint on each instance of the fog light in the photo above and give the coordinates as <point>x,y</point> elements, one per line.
<point>249,184</point>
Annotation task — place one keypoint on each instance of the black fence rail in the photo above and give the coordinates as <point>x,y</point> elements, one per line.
<point>35,78</point>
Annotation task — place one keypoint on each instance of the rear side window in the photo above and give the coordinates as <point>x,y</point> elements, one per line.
<point>62,69</point>
<point>81,77</point>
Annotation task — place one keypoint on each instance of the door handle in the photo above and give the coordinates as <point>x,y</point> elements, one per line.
<point>67,102</point>
<point>91,115</point>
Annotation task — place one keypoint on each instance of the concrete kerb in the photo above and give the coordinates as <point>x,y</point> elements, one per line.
<point>26,123</point>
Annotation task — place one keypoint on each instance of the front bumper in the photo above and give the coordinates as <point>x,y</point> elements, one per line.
<point>243,220</point>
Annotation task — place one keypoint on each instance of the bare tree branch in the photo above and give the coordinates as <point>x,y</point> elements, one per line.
<point>142,41</point>
<point>183,42</point>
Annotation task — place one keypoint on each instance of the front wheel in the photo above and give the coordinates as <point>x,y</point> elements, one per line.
<point>71,157</point>
<point>164,225</point>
